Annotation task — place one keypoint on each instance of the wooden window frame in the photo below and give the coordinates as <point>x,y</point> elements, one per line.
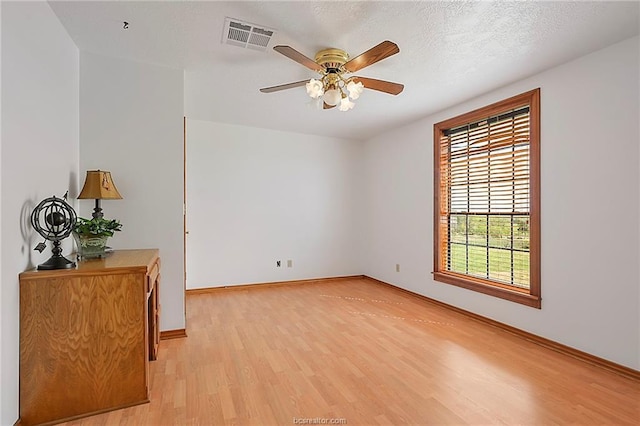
<point>529,297</point>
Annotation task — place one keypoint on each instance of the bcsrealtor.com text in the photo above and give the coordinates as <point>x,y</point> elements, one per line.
<point>319,421</point>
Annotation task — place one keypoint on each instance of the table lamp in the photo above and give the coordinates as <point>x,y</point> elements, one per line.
<point>99,186</point>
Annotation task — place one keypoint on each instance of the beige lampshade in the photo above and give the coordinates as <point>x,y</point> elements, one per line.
<point>99,185</point>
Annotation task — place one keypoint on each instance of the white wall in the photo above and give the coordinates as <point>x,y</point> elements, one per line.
<point>2,416</point>
<point>589,197</point>
<point>39,155</point>
<point>131,118</point>
<point>256,196</point>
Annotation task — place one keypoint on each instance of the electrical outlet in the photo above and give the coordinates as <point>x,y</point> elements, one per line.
<point>397,267</point>
<point>289,263</point>
<point>277,263</point>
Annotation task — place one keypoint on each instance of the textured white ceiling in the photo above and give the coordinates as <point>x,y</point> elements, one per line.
<point>449,51</point>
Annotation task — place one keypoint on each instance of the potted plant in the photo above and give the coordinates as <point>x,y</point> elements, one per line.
<point>91,235</point>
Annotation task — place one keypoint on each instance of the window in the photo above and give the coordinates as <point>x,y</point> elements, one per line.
<point>487,200</point>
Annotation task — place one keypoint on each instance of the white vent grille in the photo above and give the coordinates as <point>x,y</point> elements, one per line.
<point>246,35</point>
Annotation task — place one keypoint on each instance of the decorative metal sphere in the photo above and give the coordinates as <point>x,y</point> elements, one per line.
<point>53,218</point>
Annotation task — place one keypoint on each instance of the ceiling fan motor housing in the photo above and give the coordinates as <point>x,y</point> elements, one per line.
<point>332,58</point>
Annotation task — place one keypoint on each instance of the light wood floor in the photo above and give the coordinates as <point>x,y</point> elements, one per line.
<point>368,354</point>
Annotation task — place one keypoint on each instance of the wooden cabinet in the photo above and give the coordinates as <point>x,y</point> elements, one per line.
<point>153,283</point>
<point>86,336</point>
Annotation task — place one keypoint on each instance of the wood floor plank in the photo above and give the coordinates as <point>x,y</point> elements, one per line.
<point>368,354</point>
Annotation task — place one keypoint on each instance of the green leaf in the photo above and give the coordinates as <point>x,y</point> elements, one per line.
<point>96,226</point>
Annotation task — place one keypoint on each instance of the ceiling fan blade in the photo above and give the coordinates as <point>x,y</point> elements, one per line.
<point>380,85</point>
<point>293,54</point>
<point>284,86</point>
<point>375,54</point>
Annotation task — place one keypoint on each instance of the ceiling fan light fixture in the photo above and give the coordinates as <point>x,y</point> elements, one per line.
<point>332,97</point>
<point>315,88</point>
<point>355,89</point>
<point>346,104</point>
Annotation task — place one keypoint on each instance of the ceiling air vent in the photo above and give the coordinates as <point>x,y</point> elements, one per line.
<point>247,35</point>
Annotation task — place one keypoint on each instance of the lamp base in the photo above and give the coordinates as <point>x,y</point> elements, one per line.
<point>97,210</point>
<point>56,262</point>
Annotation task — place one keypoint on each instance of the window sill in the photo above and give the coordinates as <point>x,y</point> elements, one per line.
<point>481,286</point>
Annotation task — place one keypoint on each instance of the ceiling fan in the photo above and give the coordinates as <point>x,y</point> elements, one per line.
<point>334,87</point>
